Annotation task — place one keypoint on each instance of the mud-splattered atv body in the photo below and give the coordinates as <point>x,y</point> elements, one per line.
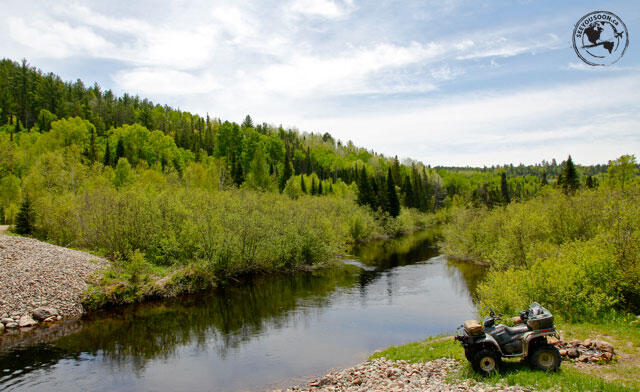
<point>487,343</point>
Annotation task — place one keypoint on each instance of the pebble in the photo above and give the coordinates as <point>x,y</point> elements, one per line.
<point>36,274</point>
<point>386,376</point>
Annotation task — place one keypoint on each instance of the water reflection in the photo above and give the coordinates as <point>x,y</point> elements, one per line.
<point>263,332</point>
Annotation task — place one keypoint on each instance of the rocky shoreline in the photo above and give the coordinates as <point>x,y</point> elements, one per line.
<point>389,376</point>
<point>40,282</point>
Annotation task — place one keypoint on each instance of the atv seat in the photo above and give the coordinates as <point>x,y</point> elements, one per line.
<point>517,329</point>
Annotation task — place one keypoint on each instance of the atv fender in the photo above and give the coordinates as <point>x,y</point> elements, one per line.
<point>487,342</point>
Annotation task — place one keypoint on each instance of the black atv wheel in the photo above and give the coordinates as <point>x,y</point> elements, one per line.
<point>468,353</point>
<point>486,361</point>
<point>545,357</point>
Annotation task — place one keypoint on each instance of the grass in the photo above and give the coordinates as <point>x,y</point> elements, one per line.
<point>623,375</point>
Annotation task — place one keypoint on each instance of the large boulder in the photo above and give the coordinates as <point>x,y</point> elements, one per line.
<point>44,312</point>
<point>604,346</point>
<point>26,321</point>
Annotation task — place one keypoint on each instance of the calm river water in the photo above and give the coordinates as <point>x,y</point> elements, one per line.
<point>268,333</point>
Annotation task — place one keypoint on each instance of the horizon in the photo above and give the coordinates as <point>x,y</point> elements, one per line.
<point>359,73</point>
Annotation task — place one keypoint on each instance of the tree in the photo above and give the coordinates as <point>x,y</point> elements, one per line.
<point>544,178</point>
<point>93,148</point>
<point>119,151</point>
<point>570,179</point>
<point>303,187</point>
<point>320,192</point>
<point>365,196</point>
<point>504,189</point>
<point>107,155</point>
<point>393,203</point>
<point>248,122</point>
<point>258,176</point>
<point>288,171</point>
<point>25,218</point>
<point>622,170</point>
<point>589,182</point>
<point>123,173</point>
<point>314,190</point>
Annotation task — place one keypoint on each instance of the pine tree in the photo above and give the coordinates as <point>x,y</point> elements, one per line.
<point>25,218</point>
<point>364,189</point>
<point>392,196</point>
<point>504,188</point>
<point>107,155</point>
<point>303,187</point>
<point>571,181</point>
<point>396,170</point>
<point>119,151</point>
<point>248,122</point>
<point>314,190</point>
<point>93,148</point>
<point>589,182</point>
<point>544,178</point>
<point>288,171</point>
<point>407,189</point>
<point>320,192</point>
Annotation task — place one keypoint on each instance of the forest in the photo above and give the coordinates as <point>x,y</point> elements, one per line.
<point>180,201</point>
<point>574,248</point>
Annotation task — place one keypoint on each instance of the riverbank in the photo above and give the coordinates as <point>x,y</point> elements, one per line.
<point>621,374</point>
<point>40,281</point>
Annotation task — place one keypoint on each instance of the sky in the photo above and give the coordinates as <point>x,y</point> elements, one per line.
<point>448,82</point>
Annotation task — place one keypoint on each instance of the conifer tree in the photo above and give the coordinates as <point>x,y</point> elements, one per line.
<point>107,155</point>
<point>364,189</point>
<point>544,178</point>
<point>93,148</point>
<point>571,182</point>
<point>407,189</point>
<point>25,218</point>
<point>320,188</point>
<point>589,182</point>
<point>313,186</point>
<point>504,188</point>
<point>303,187</point>
<point>392,196</point>
<point>248,122</point>
<point>288,171</point>
<point>119,151</point>
<point>396,170</point>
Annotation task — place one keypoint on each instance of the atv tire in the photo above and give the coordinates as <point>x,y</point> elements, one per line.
<point>486,361</point>
<point>545,357</point>
<point>468,353</point>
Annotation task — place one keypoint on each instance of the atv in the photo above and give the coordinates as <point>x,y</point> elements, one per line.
<point>486,344</point>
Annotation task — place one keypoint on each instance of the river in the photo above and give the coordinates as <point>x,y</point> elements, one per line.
<point>269,332</point>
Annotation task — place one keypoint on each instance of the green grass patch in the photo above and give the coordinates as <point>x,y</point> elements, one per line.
<point>429,349</point>
<point>516,372</point>
<point>565,379</point>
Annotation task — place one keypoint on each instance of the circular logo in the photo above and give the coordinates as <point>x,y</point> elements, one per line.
<point>600,38</point>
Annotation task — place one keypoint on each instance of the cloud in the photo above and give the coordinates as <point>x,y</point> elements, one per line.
<point>327,9</point>
<point>57,39</point>
<point>165,81</point>
<point>129,40</point>
<point>504,126</point>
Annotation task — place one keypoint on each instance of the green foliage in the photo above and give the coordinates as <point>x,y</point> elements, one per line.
<point>622,171</point>
<point>25,218</point>
<point>433,347</point>
<point>570,179</point>
<point>123,173</point>
<point>578,255</point>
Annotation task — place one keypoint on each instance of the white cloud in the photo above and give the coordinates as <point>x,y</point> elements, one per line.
<point>506,126</point>
<point>320,8</point>
<point>57,39</point>
<point>165,81</point>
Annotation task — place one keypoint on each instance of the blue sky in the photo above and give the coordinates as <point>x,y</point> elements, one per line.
<point>445,82</point>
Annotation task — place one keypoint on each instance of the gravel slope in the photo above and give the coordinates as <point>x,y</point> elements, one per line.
<point>34,273</point>
<point>387,376</point>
